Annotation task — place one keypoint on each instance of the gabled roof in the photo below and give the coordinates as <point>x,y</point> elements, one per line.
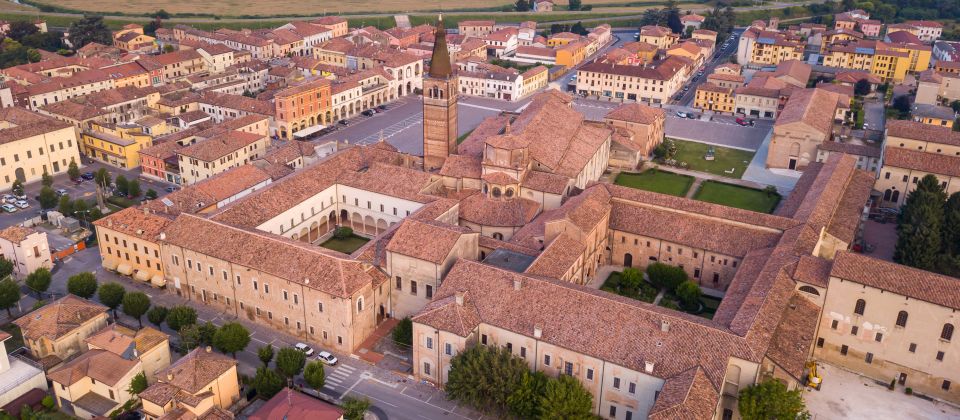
<point>59,318</point>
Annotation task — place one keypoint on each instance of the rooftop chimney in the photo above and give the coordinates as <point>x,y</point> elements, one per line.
<point>517,283</point>
<point>648,367</point>
<point>665,326</point>
<point>163,236</point>
<point>537,331</point>
<point>459,297</point>
<point>208,349</point>
<point>169,376</point>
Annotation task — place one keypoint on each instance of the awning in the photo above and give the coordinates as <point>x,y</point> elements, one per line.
<point>110,264</point>
<point>158,280</point>
<point>125,269</point>
<point>142,275</point>
<point>306,132</point>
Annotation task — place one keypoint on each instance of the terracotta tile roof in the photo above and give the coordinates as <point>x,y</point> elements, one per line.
<point>923,285</point>
<point>903,37</point>
<point>192,373</point>
<point>663,70</point>
<point>425,240</point>
<point>499,178</point>
<point>815,108</point>
<point>546,182</point>
<point>59,318</point>
<point>654,30</point>
<point>316,268</point>
<point>494,244</point>
<point>636,113</point>
<point>391,180</point>
<point>474,143</point>
<point>237,102</point>
<point>689,395</point>
<point>484,211</point>
<point>461,166</point>
<point>789,206</point>
<point>231,182</point>
<point>120,340</point>
<point>557,258</point>
<point>850,148</point>
<point>15,233</point>
<point>100,365</point>
<point>853,76</point>
<point>710,87</point>
<point>924,132</point>
<point>813,270</point>
<point>136,222</point>
<point>727,77</point>
<point>449,315</point>
<point>794,337</point>
<point>159,393</point>
<point>934,163</point>
<point>289,404</point>
<point>220,146</point>
<point>24,124</point>
<point>175,57</point>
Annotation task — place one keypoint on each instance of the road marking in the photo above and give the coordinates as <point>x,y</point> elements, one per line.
<point>330,387</point>
<point>375,399</point>
<point>335,380</point>
<point>445,410</point>
<point>347,368</point>
<point>488,108</point>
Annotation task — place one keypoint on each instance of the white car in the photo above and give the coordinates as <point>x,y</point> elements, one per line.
<point>327,358</point>
<point>681,114</point>
<point>304,348</point>
<point>22,204</point>
<point>9,208</point>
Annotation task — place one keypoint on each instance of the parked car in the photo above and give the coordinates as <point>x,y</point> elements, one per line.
<point>752,123</point>
<point>87,176</point>
<point>681,114</point>
<point>327,358</point>
<point>742,122</point>
<point>382,107</point>
<point>304,348</point>
<point>172,188</point>
<point>61,192</point>
<point>7,198</point>
<point>343,122</point>
<point>368,112</point>
<point>692,116</point>
<point>22,204</point>
<point>9,208</point>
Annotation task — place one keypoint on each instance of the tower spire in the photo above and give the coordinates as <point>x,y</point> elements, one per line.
<point>440,66</point>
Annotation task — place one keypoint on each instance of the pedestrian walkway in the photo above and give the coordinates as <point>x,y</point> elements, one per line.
<point>336,376</point>
<point>758,172</point>
<point>365,350</point>
<point>706,176</point>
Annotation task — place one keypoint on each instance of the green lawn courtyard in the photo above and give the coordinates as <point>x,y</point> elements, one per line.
<point>737,196</point>
<point>725,158</point>
<point>346,245</point>
<point>657,181</point>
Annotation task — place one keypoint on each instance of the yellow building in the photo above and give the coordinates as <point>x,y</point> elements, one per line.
<point>132,38</point>
<point>32,144</point>
<point>776,52</point>
<point>115,145</point>
<point>934,115</point>
<point>562,38</point>
<point>711,97</point>
<point>201,382</point>
<point>94,384</point>
<point>51,338</point>
<point>888,61</point>
<point>150,345</point>
<point>571,54</point>
<point>129,244</point>
<point>534,80</point>
<point>660,36</point>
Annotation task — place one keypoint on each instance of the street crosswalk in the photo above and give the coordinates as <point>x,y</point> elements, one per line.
<point>338,375</point>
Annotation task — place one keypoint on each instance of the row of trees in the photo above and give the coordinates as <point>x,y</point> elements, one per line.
<point>493,379</point>
<point>928,233</point>
<point>668,16</point>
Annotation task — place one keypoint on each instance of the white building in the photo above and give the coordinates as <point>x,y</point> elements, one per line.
<point>26,248</point>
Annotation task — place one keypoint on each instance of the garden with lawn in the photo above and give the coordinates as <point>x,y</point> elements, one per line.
<point>763,201</point>
<point>657,181</point>
<point>679,292</point>
<point>722,161</point>
<point>345,241</point>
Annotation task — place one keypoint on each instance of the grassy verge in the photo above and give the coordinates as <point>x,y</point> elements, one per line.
<point>708,309</point>
<point>724,160</point>
<point>346,245</point>
<point>464,136</point>
<point>737,196</point>
<point>657,181</point>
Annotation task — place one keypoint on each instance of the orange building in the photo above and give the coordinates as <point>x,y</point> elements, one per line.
<point>302,106</point>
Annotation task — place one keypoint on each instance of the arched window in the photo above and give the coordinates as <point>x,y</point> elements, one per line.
<point>902,319</point>
<point>896,196</point>
<point>810,289</point>
<point>496,192</point>
<point>360,304</point>
<point>509,192</point>
<point>886,194</point>
<point>498,236</point>
<point>947,332</point>
<point>860,306</point>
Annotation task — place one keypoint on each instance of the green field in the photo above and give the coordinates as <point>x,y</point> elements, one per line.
<point>725,158</point>
<point>657,181</point>
<point>346,245</point>
<point>737,196</point>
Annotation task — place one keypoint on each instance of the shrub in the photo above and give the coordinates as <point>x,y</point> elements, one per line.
<point>689,294</point>
<point>343,232</point>
<point>403,332</point>
<point>665,276</point>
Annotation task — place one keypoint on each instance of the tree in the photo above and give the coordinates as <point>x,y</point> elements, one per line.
<point>47,198</point>
<point>521,6</point>
<point>771,400</point>
<point>485,376</point>
<point>39,280</point>
<point>123,186</point>
<point>48,403</point>
<point>951,225</point>
<point>403,332</point>
<point>136,304</point>
<point>673,17</point>
<point>630,280</point>
<point>48,41</point>
<point>46,180</point>
<point>66,206</point>
<point>162,14</point>
<point>314,375</point>
<point>575,5</point>
<point>354,409</point>
<point>689,294</point>
<point>290,361</point>
<point>566,398</point>
<point>920,222</point>
<point>231,338</point>
<point>343,232</point>
<point>133,188</point>
<point>955,105</point>
<point>17,187</point>
<point>138,384</point>
<point>111,295</point>
<point>156,315</point>
<point>89,29</point>
<point>665,276</point>
<point>524,402</point>
<point>862,87</point>
<point>265,354</point>
<point>168,48</point>
<point>6,267</point>
<point>73,170</point>
<point>102,177</point>
<point>151,194</point>
<point>902,104</point>
<point>9,295</point>
<point>267,383</point>
<point>578,29</point>
<point>180,316</point>
<point>82,284</point>
<point>20,29</point>
<point>191,337</point>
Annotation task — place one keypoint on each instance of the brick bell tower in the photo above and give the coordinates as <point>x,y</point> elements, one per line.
<point>439,105</point>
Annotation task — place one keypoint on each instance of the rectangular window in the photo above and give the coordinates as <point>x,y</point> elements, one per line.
<point>945,386</point>
<point>429,291</point>
<point>413,287</point>
<point>869,358</point>
<point>266,288</point>
<point>510,347</point>
<point>913,347</point>
<point>613,411</point>
<point>632,388</point>
<point>820,342</point>
<point>590,374</point>
<point>448,349</point>
<point>483,339</point>
<point>255,287</point>
<point>834,324</point>
<point>546,360</point>
<point>568,368</point>
<point>879,337</point>
<point>854,330</point>
<point>940,355</point>
<point>523,352</point>
<point>843,349</point>
<point>429,342</point>
<point>399,283</point>
<point>426,368</point>
<point>616,383</point>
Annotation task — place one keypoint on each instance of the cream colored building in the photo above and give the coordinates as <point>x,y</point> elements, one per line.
<point>148,345</point>
<point>805,122</point>
<point>200,383</point>
<point>912,151</point>
<point>20,376</point>
<point>212,156</point>
<point>31,144</point>
<point>26,248</point>
<point>935,88</point>
<point>95,383</point>
<point>51,338</point>
<point>129,243</point>
<point>653,84</point>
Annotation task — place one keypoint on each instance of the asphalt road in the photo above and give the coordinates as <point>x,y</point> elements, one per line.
<point>720,56</point>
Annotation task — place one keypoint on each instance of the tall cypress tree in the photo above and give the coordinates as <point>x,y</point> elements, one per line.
<point>951,225</point>
<point>919,234</point>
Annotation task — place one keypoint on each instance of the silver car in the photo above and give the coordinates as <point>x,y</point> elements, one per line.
<point>327,358</point>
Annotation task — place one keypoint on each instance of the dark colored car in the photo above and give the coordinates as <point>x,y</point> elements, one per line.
<point>382,107</point>
<point>87,176</point>
<point>368,113</point>
<point>343,122</point>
